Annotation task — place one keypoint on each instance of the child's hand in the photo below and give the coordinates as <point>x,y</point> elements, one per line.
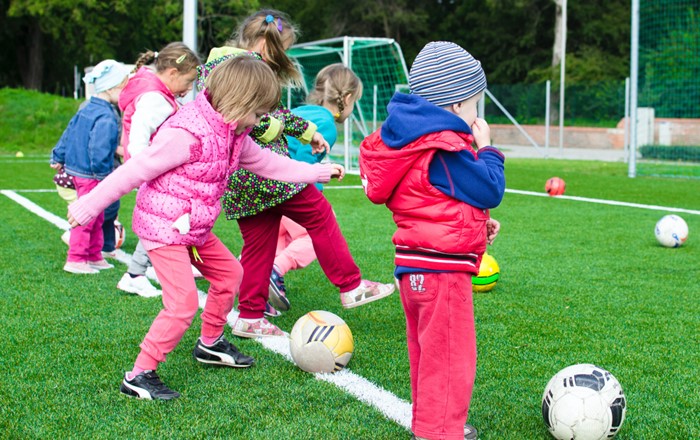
<point>338,171</point>
<point>57,166</point>
<point>319,144</point>
<point>73,222</point>
<point>492,228</point>
<point>482,133</point>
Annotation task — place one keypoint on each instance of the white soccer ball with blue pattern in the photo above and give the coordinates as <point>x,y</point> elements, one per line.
<point>671,231</point>
<point>583,402</point>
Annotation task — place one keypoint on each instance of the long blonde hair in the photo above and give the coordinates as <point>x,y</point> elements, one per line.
<point>276,29</point>
<point>177,55</point>
<point>333,83</point>
<point>241,85</point>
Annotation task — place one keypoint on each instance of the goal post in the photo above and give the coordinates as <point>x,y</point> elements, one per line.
<point>665,88</point>
<point>378,62</point>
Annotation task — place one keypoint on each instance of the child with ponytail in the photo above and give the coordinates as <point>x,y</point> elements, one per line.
<point>258,203</point>
<point>149,98</point>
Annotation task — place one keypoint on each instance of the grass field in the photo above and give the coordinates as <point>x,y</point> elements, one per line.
<point>582,282</point>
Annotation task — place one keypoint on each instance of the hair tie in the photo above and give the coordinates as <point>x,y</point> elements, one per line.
<point>269,19</point>
<point>155,55</point>
<point>181,58</point>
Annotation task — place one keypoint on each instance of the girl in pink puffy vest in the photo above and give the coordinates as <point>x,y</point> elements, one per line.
<point>181,177</point>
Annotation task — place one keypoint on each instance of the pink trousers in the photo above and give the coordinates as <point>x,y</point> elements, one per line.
<point>295,250</point>
<point>180,299</point>
<point>86,240</point>
<point>311,210</point>
<point>441,340</point>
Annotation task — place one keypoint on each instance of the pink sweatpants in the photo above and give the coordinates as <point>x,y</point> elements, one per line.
<point>311,210</point>
<point>295,250</point>
<point>441,340</point>
<point>86,240</point>
<point>180,299</point>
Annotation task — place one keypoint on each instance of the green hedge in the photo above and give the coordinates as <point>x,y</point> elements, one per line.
<point>671,152</point>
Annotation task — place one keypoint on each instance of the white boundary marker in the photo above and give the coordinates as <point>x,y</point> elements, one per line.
<point>606,202</point>
<point>578,199</point>
<point>393,408</point>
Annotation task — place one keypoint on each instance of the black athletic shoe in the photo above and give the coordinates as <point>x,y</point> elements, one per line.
<point>147,385</point>
<point>222,352</point>
<point>277,296</point>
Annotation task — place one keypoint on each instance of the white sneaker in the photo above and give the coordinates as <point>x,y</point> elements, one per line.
<point>366,292</point>
<point>138,285</point>
<point>100,264</point>
<point>116,254</point>
<point>79,268</point>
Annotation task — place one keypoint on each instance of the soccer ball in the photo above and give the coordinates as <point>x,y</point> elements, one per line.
<point>321,342</point>
<point>583,402</point>
<point>555,186</point>
<point>119,234</point>
<point>671,231</point>
<point>488,276</point>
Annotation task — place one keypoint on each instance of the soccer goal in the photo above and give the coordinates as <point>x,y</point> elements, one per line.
<point>380,65</point>
<point>665,101</point>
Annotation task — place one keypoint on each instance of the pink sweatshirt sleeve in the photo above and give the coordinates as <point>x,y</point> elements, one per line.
<point>170,148</point>
<point>266,163</point>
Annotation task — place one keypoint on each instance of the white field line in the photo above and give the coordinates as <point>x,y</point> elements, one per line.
<point>607,202</point>
<point>393,408</point>
<point>579,199</point>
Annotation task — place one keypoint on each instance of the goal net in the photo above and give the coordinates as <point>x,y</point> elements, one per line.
<point>669,88</point>
<point>378,62</point>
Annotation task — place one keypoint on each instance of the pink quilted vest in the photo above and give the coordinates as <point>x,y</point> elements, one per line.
<point>143,81</point>
<point>194,188</point>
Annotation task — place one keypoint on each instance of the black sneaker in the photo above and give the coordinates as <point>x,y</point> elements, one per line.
<point>277,296</point>
<point>147,385</point>
<point>222,352</point>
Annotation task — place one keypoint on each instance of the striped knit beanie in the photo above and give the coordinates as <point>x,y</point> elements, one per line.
<point>444,73</point>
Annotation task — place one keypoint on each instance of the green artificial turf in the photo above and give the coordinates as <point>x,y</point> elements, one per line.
<point>580,282</point>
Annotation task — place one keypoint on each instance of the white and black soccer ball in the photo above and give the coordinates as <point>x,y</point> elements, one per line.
<point>671,231</point>
<point>583,402</point>
<point>321,342</point>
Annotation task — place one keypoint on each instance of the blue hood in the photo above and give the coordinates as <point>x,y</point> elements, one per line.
<point>411,117</point>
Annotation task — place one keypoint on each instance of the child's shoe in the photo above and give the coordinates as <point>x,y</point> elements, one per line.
<point>278,292</point>
<point>470,433</point>
<point>138,285</point>
<point>366,292</point>
<point>256,328</point>
<point>116,254</point>
<point>147,385</point>
<point>100,264</point>
<point>79,268</point>
<point>221,352</point>
<point>271,311</point>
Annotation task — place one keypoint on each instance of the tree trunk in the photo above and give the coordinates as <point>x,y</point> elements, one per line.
<point>31,60</point>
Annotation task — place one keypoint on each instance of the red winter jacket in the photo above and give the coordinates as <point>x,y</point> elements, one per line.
<point>435,231</point>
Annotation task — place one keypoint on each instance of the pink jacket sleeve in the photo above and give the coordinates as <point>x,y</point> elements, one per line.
<point>266,163</point>
<point>171,148</point>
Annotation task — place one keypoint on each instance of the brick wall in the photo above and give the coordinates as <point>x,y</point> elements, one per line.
<point>682,131</point>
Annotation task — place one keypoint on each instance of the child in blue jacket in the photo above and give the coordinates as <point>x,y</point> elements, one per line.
<point>86,152</point>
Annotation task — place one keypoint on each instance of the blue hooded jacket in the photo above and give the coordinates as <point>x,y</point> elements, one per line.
<point>457,174</point>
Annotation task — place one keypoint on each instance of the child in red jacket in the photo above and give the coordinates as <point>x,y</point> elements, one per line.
<point>439,186</point>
